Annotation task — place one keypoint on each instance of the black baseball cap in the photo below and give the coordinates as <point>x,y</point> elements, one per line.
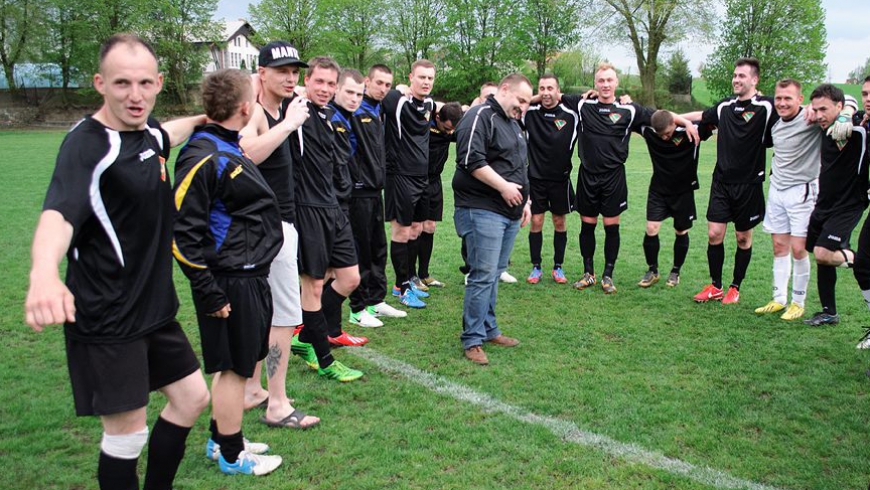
<point>280,53</point>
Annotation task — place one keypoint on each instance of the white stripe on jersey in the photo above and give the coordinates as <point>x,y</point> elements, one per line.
<point>402,101</point>
<point>576,123</point>
<point>471,137</point>
<point>301,141</point>
<point>724,105</point>
<point>629,108</point>
<point>97,198</point>
<point>157,135</point>
<point>767,105</point>
<point>863,133</point>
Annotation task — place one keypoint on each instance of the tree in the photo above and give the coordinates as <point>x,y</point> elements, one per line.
<point>576,68</point>
<point>171,24</point>
<point>71,43</point>
<point>765,29</point>
<point>860,72</point>
<point>18,25</point>
<point>352,35</point>
<point>415,27</point>
<point>677,73</point>
<point>294,21</point>
<point>548,26</point>
<point>650,25</point>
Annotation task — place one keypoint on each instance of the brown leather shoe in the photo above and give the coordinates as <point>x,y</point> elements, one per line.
<point>504,341</point>
<point>476,355</point>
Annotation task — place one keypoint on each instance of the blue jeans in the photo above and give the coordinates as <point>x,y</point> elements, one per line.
<point>490,239</point>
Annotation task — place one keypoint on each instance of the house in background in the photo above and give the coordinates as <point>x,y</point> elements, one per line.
<point>234,49</point>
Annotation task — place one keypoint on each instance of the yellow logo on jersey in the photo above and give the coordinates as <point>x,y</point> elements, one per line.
<point>434,130</point>
<point>747,116</point>
<point>340,129</point>
<point>615,117</point>
<point>677,140</point>
<point>235,173</point>
<point>560,123</point>
<point>366,120</point>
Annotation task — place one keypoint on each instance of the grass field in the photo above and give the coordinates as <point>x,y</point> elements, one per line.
<point>640,390</point>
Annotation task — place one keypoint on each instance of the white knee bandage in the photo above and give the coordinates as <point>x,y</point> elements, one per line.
<point>125,446</point>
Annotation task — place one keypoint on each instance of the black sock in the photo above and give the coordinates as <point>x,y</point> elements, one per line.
<point>426,244</point>
<point>651,251</point>
<point>231,446</point>
<point>681,249</point>
<point>399,257</point>
<point>827,284</point>
<point>330,304</point>
<point>611,248</point>
<point>314,333</point>
<point>165,451</point>
<point>212,425</point>
<point>464,251</point>
<point>741,263</point>
<point>560,242</point>
<point>536,243</point>
<point>413,251</point>
<point>587,246</point>
<point>716,260</point>
<point>116,473</point>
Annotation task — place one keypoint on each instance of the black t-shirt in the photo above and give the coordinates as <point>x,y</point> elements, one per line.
<point>487,136</point>
<point>113,188</point>
<point>345,148</point>
<point>744,136</point>
<point>314,155</point>
<point>368,173</point>
<point>843,179</point>
<point>552,136</point>
<point>439,149</point>
<point>277,169</point>
<point>675,162</point>
<point>605,131</point>
<point>406,130</point>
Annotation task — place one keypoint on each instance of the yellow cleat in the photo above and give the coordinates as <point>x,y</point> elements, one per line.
<point>793,312</point>
<point>771,307</point>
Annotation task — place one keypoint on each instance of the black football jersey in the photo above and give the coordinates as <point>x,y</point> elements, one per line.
<point>744,136</point>
<point>314,156</point>
<point>552,137</point>
<point>675,162</point>
<point>406,130</point>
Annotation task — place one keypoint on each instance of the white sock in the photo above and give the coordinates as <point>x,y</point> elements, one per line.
<point>801,280</point>
<point>866,294</point>
<point>781,271</point>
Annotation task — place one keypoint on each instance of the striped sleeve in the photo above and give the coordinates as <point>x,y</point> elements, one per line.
<point>472,140</point>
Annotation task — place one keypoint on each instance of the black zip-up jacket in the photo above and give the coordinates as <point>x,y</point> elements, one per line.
<point>487,136</point>
<point>228,221</point>
<point>368,168</point>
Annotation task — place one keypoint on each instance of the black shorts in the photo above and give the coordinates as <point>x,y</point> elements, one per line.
<point>605,194</point>
<point>434,199</point>
<point>325,240</point>
<point>681,207</point>
<point>241,340</point>
<point>402,198</point>
<point>832,229</point>
<point>741,204</point>
<point>116,378</point>
<point>556,197</point>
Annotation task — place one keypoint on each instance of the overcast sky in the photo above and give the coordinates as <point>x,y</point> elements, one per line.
<point>848,42</point>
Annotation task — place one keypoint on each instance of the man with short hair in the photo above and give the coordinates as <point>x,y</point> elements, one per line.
<point>552,130</point>
<point>265,139</point>
<point>441,134</point>
<point>736,193</point>
<point>325,238</point>
<point>843,182</point>
<point>487,89</point>
<point>605,133</point>
<point>108,208</point>
<point>671,191</point>
<point>862,256</point>
<point>490,189</point>
<point>368,173</point>
<point>407,149</point>
<point>794,187</point>
<point>227,230</point>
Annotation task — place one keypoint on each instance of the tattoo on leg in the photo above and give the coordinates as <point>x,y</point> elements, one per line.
<point>273,359</point>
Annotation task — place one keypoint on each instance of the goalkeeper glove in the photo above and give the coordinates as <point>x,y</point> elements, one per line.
<point>842,127</point>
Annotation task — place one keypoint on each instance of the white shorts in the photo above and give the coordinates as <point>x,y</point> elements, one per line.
<point>789,209</point>
<point>284,281</point>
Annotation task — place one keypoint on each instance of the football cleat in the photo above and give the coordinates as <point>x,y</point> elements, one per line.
<point>709,293</point>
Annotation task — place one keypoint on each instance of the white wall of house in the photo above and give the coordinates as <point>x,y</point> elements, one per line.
<point>238,48</point>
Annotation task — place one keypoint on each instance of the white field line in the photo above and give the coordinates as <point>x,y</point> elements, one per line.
<point>567,431</point>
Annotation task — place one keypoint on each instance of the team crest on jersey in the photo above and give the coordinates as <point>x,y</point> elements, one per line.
<point>677,140</point>
<point>748,115</point>
<point>560,123</point>
<point>162,168</point>
<point>614,117</point>
<point>841,144</point>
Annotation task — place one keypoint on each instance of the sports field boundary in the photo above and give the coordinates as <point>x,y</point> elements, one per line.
<point>564,430</point>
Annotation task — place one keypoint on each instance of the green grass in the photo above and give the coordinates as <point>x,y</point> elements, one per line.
<point>715,386</point>
<point>701,93</point>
